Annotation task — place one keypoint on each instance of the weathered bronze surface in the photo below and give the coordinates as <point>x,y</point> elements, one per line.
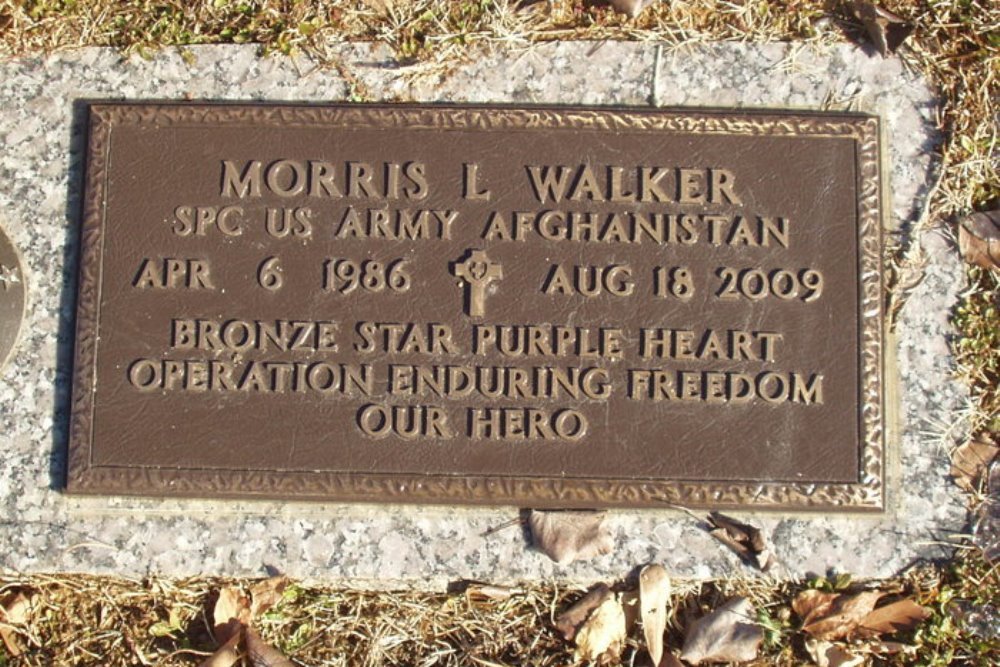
<point>12,297</point>
<point>536,307</point>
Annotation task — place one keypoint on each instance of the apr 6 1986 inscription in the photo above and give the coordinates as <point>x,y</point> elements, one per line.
<point>538,307</point>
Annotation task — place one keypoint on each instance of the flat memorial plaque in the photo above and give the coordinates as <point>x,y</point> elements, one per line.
<point>537,307</point>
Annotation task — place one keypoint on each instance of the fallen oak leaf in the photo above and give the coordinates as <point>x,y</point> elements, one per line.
<point>979,239</point>
<point>231,613</point>
<point>568,536</point>
<point>654,593</point>
<point>971,460</point>
<point>727,634</point>
<point>262,654</point>
<point>886,30</point>
<point>747,541</point>
<point>895,617</point>
<point>570,620</point>
<point>227,655</point>
<point>832,616</point>
<point>266,594</point>
<point>812,604</point>
<point>603,633</point>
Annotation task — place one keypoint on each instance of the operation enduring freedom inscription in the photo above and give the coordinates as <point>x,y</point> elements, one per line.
<point>540,307</point>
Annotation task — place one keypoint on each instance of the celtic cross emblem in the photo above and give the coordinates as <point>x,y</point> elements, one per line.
<point>8,277</point>
<point>477,270</point>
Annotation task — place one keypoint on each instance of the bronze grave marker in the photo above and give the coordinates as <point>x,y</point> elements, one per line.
<point>546,307</point>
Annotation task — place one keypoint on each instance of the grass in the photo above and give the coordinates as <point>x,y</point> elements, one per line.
<point>81,620</point>
<point>978,349</point>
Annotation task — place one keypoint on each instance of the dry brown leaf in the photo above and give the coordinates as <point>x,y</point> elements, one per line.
<point>971,460</point>
<point>262,654</point>
<point>630,8</point>
<point>570,620</point>
<point>654,593</point>
<point>892,618</point>
<point>266,594</point>
<point>832,616</point>
<point>828,654</point>
<point>476,591</point>
<point>979,239</point>
<point>231,613</point>
<point>603,632</point>
<point>728,634</point>
<point>886,30</point>
<point>568,536</point>
<point>812,604</point>
<point>746,540</point>
<point>227,655</point>
<point>15,609</point>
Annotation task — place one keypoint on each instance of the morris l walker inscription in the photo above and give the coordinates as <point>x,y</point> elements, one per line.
<point>536,307</point>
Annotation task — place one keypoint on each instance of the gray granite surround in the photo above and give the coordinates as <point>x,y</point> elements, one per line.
<point>427,546</point>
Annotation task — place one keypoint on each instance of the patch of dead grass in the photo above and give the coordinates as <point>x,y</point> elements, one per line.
<point>91,621</point>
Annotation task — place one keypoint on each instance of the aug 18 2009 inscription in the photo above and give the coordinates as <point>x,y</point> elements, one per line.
<point>537,307</point>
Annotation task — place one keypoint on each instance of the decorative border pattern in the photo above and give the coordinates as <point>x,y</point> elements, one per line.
<point>866,495</point>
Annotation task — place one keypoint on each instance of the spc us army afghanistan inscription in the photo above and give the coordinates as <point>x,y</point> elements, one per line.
<point>538,307</point>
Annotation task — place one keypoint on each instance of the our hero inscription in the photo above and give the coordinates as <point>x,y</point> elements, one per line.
<point>521,306</point>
